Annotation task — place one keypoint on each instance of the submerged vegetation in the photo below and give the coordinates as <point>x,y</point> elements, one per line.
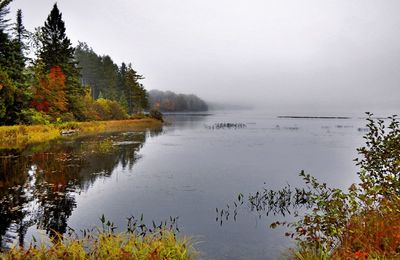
<point>362,222</point>
<point>217,126</point>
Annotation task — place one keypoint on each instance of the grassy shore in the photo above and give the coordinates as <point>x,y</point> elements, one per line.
<point>18,136</point>
<point>106,245</point>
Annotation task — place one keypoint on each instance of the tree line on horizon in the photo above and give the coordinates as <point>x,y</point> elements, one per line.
<point>61,83</point>
<point>168,101</point>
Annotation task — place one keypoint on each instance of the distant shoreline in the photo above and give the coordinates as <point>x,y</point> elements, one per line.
<point>317,117</point>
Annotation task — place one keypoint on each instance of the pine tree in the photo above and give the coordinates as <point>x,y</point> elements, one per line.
<point>135,93</point>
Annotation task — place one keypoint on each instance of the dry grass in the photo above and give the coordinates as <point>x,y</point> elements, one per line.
<point>17,137</point>
<point>159,245</point>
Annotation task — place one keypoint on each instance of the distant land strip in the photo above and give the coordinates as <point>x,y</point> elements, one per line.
<point>317,117</point>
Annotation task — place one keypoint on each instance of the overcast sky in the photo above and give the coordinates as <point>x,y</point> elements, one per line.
<point>341,55</point>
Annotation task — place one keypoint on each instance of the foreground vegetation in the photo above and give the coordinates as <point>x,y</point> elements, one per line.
<point>18,136</point>
<point>137,242</point>
<point>162,245</point>
<point>360,223</point>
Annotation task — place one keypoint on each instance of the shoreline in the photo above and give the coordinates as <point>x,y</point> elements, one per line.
<point>19,136</point>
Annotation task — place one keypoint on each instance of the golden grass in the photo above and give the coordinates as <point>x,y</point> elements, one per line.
<point>159,245</point>
<point>18,136</point>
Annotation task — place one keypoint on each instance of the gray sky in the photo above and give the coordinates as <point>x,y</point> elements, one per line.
<point>292,55</point>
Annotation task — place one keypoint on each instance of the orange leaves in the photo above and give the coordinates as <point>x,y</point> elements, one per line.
<point>49,94</point>
<point>360,255</point>
<point>56,77</point>
<point>372,233</point>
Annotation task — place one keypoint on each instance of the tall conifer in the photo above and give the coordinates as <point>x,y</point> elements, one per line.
<point>56,50</point>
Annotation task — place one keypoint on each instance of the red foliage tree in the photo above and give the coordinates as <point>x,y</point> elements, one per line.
<point>49,93</point>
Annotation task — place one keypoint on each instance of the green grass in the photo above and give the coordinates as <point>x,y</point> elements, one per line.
<point>18,136</point>
<point>106,245</point>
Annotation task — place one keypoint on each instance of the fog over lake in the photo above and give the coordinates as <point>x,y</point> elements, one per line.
<point>298,56</point>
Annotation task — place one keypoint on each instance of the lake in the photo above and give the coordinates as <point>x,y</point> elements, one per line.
<point>190,167</point>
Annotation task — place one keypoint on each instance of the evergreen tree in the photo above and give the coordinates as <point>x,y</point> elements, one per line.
<point>20,34</point>
<point>90,66</point>
<point>109,78</point>
<point>56,50</point>
<point>20,30</point>
<point>141,99</point>
<point>134,91</point>
<point>109,81</point>
<point>13,92</point>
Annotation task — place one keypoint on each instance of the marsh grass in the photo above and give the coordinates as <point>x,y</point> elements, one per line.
<point>163,244</point>
<point>18,136</point>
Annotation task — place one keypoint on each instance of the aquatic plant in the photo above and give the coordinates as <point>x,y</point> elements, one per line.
<point>362,222</point>
<point>217,126</point>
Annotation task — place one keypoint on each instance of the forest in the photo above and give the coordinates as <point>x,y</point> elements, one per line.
<point>59,82</point>
<point>168,101</point>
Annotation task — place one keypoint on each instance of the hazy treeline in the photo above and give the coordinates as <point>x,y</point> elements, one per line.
<point>61,83</point>
<point>169,101</point>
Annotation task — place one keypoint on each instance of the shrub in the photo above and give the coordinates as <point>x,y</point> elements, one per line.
<point>117,111</point>
<point>107,109</point>
<point>67,117</point>
<point>34,117</point>
<point>154,113</point>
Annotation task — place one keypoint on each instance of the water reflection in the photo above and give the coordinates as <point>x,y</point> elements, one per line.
<point>38,185</point>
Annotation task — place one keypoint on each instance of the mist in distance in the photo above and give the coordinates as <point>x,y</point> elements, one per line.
<point>329,57</point>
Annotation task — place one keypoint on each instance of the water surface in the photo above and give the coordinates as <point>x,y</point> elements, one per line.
<point>186,169</point>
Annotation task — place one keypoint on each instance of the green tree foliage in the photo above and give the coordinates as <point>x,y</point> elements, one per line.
<point>56,50</point>
<point>12,65</point>
<point>53,85</point>
<point>7,98</point>
<point>109,81</point>
<point>90,65</point>
<point>135,93</point>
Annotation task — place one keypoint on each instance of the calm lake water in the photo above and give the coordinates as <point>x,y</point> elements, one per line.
<point>185,169</point>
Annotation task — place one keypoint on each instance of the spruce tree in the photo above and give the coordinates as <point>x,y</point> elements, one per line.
<point>20,30</point>
<point>56,50</point>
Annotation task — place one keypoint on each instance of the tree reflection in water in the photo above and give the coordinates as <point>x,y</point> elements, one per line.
<point>38,185</point>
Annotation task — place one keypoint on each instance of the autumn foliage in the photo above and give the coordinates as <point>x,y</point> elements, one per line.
<point>49,94</point>
<point>372,233</point>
